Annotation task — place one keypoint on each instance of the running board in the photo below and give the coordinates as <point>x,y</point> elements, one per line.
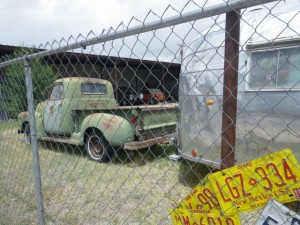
<point>61,140</point>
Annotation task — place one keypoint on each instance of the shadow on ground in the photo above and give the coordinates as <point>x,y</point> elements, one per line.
<point>136,157</point>
<point>191,173</point>
<point>63,148</point>
<point>143,156</point>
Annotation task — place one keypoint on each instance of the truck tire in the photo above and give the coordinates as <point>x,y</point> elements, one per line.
<point>98,147</point>
<point>27,137</point>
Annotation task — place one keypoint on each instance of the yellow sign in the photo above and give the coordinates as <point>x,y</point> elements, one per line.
<point>250,185</point>
<point>202,217</point>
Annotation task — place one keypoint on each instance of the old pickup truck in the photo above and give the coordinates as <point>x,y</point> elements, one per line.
<point>83,111</point>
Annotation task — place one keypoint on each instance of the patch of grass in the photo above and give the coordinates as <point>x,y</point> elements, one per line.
<point>8,125</point>
<point>295,206</point>
<point>135,188</point>
<point>192,173</point>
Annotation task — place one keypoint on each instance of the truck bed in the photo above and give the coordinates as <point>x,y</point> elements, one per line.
<point>154,123</point>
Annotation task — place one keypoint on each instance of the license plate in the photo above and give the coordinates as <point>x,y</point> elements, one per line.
<point>201,197</point>
<point>250,185</point>
<point>202,217</point>
<point>276,213</point>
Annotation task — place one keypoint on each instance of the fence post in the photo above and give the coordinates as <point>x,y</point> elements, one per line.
<point>33,136</point>
<point>231,65</point>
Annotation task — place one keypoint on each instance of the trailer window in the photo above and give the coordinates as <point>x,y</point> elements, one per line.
<point>276,69</point>
<point>93,88</point>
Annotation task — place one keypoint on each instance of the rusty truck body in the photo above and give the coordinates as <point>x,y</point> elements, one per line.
<point>84,112</point>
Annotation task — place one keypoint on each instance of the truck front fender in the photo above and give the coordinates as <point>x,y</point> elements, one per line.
<point>115,129</point>
<point>23,118</point>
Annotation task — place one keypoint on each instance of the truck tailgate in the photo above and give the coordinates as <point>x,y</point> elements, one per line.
<point>155,121</point>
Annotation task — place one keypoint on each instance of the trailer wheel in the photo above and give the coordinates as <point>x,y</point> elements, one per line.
<point>27,137</point>
<point>98,147</point>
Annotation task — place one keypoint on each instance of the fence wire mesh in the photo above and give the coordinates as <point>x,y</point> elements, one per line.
<point>127,127</point>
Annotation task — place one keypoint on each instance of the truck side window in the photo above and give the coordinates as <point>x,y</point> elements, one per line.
<point>275,69</point>
<point>93,88</point>
<point>57,92</point>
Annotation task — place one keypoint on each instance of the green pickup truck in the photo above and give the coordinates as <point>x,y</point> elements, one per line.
<point>83,111</point>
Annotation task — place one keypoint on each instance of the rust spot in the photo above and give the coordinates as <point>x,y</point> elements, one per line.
<point>93,105</point>
<point>52,110</point>
<point>25,114</point>
<point>107,126</point>
<point>110,120</point>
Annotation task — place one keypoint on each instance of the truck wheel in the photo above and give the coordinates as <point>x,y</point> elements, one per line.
<point>98,147</point>
<point>27,137</point>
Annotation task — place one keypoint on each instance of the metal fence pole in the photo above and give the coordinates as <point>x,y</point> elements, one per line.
<point>33,136</point>
<point>231,64</point>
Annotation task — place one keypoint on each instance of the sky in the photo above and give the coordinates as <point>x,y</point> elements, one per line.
<point>39,21</point>
<point>43,22</point>
<point>34,22</point>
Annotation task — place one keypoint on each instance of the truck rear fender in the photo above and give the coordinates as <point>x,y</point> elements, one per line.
<point>116,130</point>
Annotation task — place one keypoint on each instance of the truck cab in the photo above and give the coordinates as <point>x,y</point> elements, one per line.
<point>68,95</point>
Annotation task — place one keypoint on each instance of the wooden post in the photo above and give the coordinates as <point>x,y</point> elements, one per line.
<point>231,65</point>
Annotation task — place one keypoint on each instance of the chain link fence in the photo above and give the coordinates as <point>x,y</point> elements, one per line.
<point>177,119</point>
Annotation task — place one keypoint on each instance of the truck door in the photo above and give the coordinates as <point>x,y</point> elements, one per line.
<point>53,112</point>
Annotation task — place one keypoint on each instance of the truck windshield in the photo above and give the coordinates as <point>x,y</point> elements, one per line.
<point>57,92</point>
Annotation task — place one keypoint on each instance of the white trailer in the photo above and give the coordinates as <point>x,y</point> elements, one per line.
<point>268,110</point>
